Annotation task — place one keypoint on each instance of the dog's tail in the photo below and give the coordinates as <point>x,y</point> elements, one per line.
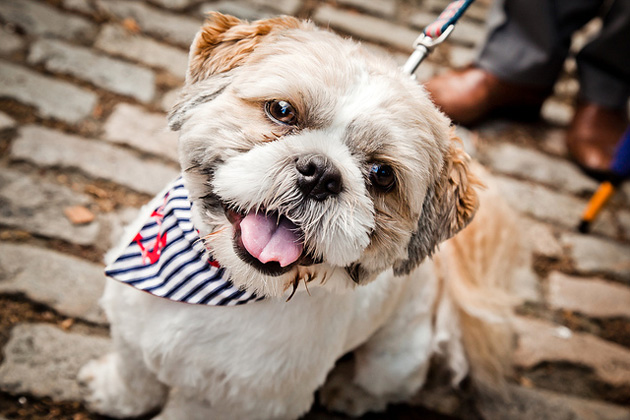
<point>480,268</point>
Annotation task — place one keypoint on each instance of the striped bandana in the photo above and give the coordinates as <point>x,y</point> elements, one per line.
<point>167,258</point>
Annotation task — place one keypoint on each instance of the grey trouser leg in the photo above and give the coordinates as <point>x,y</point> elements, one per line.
<point>529,40</point>
<point>604,63</point>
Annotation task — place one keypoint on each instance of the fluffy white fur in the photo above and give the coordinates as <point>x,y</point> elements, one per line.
<point>265,360</point>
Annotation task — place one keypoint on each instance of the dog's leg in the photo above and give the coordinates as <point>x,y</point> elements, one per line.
<point>394,363</point>
<point>120,385</point>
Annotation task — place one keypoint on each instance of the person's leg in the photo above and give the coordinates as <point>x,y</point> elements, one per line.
<point>527,44</point>
<point>604,63</point>
<point>604,75</point>
<point>528,40</point>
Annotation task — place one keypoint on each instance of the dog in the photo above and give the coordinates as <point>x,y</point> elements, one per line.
<point>317,178</point>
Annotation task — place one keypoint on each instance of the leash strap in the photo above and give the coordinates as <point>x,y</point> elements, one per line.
<point>435,33</point>
<point>448,17</point>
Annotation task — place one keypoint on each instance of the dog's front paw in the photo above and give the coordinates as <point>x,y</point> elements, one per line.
<point>341,394</point>
<point>105,392</point>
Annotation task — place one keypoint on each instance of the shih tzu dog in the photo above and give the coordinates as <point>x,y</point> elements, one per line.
<point>316,179</point>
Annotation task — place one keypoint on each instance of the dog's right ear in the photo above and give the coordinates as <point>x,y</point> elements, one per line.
<point>224,42</point>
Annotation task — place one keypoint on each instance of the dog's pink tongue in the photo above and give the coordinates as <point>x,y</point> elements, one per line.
<point>268,241</point>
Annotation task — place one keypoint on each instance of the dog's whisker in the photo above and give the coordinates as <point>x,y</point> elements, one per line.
<point>211,234</point>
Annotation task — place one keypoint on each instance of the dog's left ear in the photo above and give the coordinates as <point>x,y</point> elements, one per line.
<point>448,207</point>
<point>224,42</point>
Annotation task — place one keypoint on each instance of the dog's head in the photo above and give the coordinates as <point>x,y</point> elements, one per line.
<point>305,154</point>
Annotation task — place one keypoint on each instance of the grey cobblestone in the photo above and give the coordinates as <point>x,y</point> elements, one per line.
<point>43,361</point>
<point>104,72</point>
<point>623,217</point>
<point>366,27</point>
<point>115,40</point>
<point>592,297</point>
<point>40,19</point>
<point>37,207</point>
<point>49,148</point>
<point>522,403</point>
<point>52,98</point>
<point>285,7</point>
<point>145,131</point>
<point>233,8</point>
<point>596,255</point>
<point>6,121</point>
<point>175,4</point>
<point>557,112</point>
<point>553,141</point>
<point>381,8</point>
<point>467,33</point>
<point>11,42</point>
<point>550,206</point>
<point>87,7</point>
<point>421,19</point>
<point>541,341</point>
<point>177,29</point>
<point>536,166</point>
<point>460,56</point>
<point>68,284</point>
<point>542,239</point>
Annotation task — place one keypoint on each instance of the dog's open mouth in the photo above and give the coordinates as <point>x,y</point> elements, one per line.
<point>268,241</point>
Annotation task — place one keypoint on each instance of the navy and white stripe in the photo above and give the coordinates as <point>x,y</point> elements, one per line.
<point>168,259</point>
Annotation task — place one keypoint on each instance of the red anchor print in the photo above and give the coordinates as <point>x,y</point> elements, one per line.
<point>160,241</point>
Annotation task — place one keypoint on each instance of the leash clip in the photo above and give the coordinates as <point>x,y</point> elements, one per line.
<point>423,46</point>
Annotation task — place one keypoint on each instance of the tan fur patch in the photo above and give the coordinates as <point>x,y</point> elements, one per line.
<point>462,182</point>
<point>225,42</point>
<point>477,265</point>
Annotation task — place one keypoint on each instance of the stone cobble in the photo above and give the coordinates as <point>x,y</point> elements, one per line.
<point>177,29</point>
<point>11,42</point>
<point>36,18</point>
<point>68,284</point>
<point>366,27</point>
<point>43,361</point>
<point>533,165</point>
<point>6,121</point>
<point>37,206</point>
<point>541,341</point>
<point>116,40</point>
<point>596,255</point>
<point>532,404</point>
<point>590,296</point>
<point>131,125</point>
<point>240,10</point>
<point>51,98</point>
<point>48,148</point>
<point>550,206</point>
<point>107,71</point>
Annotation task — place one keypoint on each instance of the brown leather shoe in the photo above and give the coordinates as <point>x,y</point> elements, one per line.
<point>593,135</point>
<point>469,95</point>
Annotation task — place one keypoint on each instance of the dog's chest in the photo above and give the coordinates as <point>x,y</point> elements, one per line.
<point>260,345</point>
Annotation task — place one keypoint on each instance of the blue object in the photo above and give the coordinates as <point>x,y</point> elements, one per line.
<point>620,165</point>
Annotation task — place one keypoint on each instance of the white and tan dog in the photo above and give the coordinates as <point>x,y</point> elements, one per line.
<point>320,173</point>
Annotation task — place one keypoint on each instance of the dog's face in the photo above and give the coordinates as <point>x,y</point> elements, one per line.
<point>305,155</point>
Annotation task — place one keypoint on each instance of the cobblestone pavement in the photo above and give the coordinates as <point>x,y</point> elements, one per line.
<point>84,87</point>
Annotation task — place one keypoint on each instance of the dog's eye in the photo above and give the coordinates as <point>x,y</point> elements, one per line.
<point>281,112</point>
<point>382,176</point>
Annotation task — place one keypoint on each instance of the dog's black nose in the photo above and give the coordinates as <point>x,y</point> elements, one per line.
<point>317,177</point>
